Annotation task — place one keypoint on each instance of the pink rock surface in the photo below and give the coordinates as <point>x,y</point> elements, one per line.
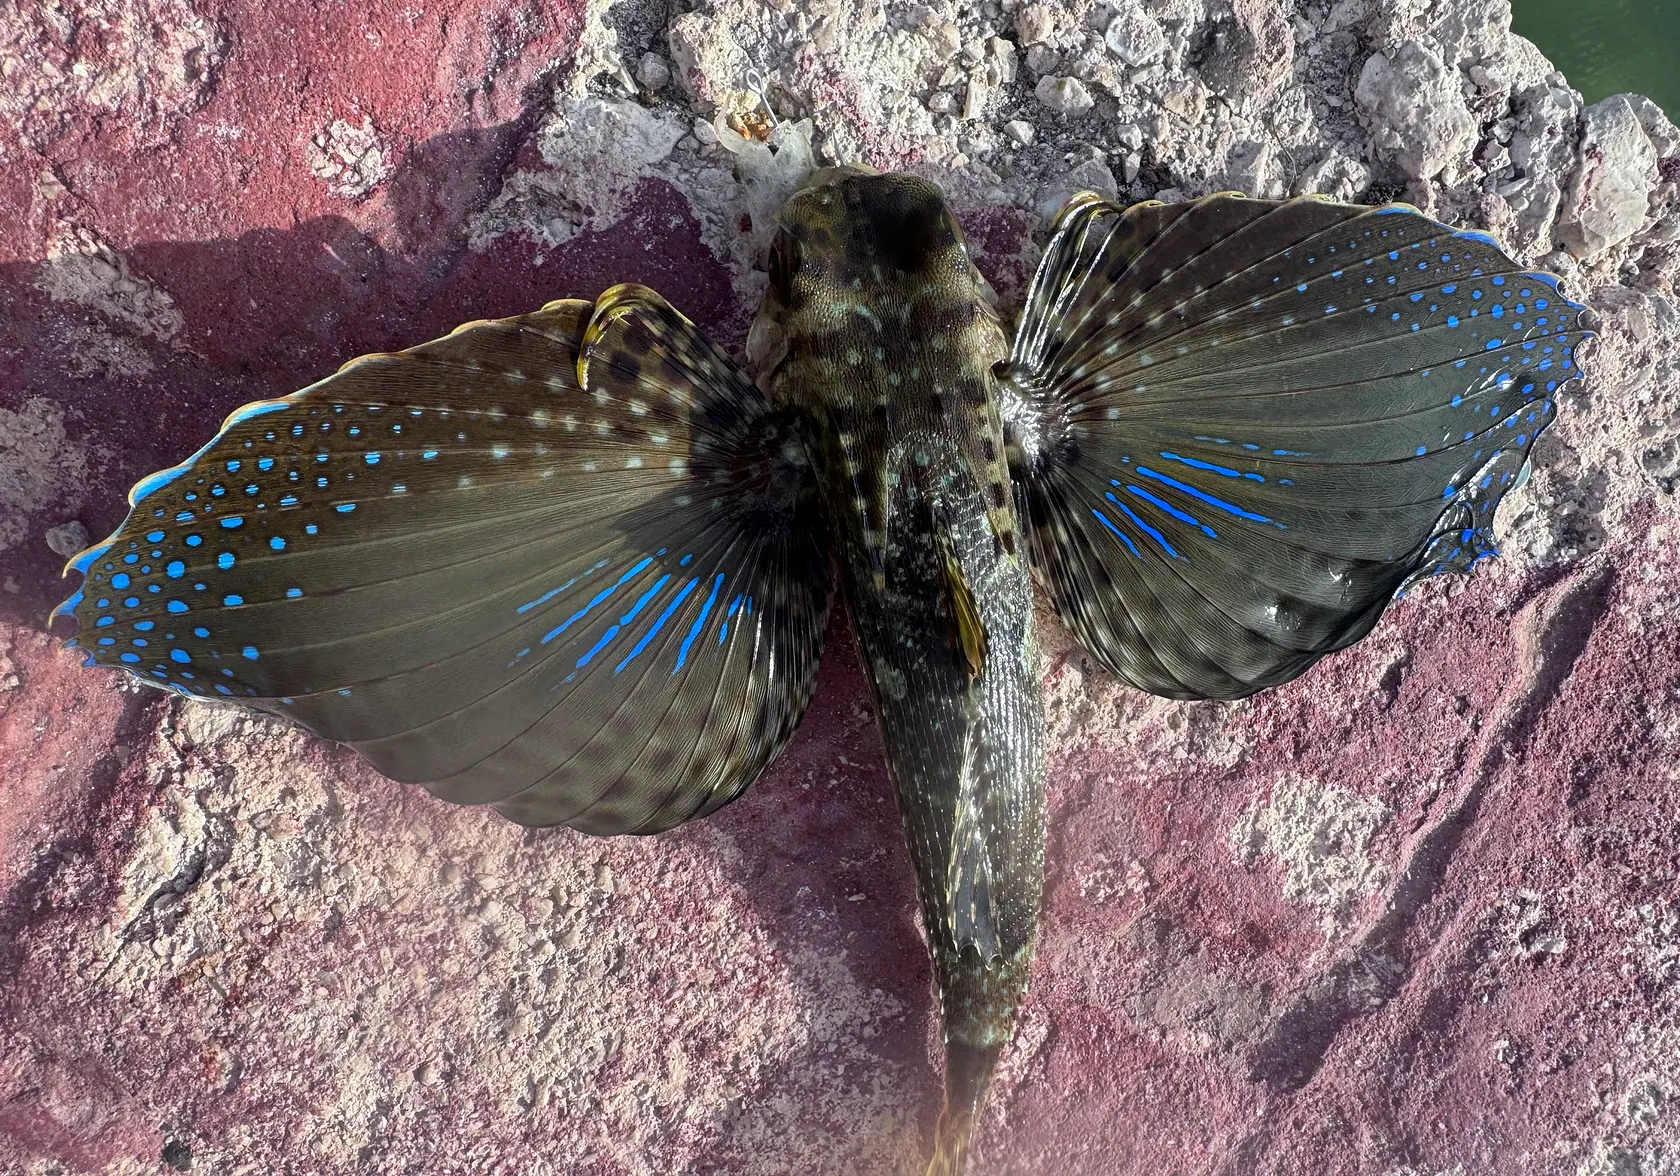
<point>1414,914</point>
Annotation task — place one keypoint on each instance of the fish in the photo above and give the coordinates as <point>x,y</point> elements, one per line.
<point>577,564</point>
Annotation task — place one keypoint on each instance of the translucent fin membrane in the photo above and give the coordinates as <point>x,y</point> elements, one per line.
<point>1239,426</point>
<point>594,605</point>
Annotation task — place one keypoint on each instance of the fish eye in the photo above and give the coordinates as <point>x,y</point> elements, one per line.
<point>784,262</point>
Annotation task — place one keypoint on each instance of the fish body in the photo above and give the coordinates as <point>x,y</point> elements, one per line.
<point>577,564</point>
<point>887,349</point>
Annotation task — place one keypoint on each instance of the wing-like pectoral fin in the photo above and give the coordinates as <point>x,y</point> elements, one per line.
<point>1238,427</point>
<point>596,602</point>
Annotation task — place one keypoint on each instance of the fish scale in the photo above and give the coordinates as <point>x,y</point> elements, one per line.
<point>577,564</point>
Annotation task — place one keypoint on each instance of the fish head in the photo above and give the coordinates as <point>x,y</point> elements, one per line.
<point>861,256</point>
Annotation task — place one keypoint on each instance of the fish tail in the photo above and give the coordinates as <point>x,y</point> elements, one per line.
<point>968,1071</point>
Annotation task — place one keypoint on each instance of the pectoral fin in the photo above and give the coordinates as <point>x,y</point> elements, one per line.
<point>1238,427</point>
<point>971,637</point>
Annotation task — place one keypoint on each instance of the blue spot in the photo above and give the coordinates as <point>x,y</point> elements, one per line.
<point>1421,450</point>
<point>249,652</point>
<point>233,521</point>
<point>372,459</point>
<point>154,536</point>
<point>131,557</point>
<point>201,631</point>
<point>225,560</point>
<point>1499,281</point>
<point>277,543</point>
<point>1452,320</point>
<point>132,602</point>
<point>194,540</point>
<point>1497,311</point>
<point>1492,343</point>
<point>107,641</point>
<point>179,655</point>
<point>310,529</point>
<point>428,454</point>
<point>265,463</point>
<point>103,621</point>
<point>130,657</point>
<point>288,500</point>
<point>183,516</point>
<point>145,626</point>
<point>177,606</point>
<point>293,593</point>
<point>174,569</point>
<point>232,599</point>
<point>345,507</point>
<point>120,580</point>
<point>1449,288</point>
<point>219,686</point>
<point>232,466</point>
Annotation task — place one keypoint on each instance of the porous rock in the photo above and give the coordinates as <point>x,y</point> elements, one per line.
<point>1416,109</point>
<point>1609,194</point>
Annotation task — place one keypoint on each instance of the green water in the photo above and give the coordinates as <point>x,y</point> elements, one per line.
<point>1609,46</point>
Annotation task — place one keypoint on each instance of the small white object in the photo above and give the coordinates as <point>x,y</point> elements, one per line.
<point>1064,94</point>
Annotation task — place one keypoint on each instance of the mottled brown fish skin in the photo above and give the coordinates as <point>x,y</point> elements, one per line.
<point>877,332</point>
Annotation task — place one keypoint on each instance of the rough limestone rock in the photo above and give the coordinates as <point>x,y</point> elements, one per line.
<point>1418,117</point>
<point>1610,191</point>
<point>1414,914</point>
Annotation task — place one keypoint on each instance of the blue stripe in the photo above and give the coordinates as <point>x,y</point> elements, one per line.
<point>1121,535</point>
<point>1205,497</point>
<point>733,605</point>
<point>612,630</point>
<point>1147,529</point>
<point>1180,515</point>
<point>659,624</point>
<point>545,597</point>
<point>85,560</point>
<point>1225,471</point>
<point>599,597</point>
<point>700,623</point>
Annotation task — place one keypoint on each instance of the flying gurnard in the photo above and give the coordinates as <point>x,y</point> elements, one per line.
<point>577,564</point>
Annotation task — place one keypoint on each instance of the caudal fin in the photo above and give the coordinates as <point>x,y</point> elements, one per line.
<point>968,1070</point>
